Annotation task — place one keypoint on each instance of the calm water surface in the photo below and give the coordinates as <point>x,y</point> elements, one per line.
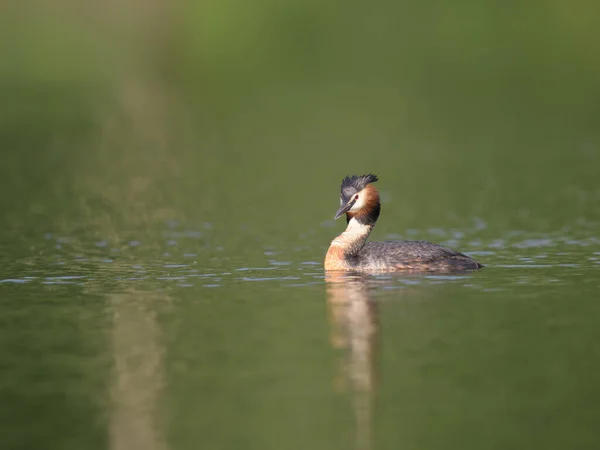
<point>169,341</point>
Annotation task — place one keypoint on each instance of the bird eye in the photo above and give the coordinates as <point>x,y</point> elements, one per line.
<point>356,197</point>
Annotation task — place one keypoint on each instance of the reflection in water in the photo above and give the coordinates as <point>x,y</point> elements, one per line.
<point>354,329</point>
<point>138,377</point>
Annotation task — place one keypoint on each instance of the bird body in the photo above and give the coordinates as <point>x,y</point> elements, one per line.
<point>349,251</point>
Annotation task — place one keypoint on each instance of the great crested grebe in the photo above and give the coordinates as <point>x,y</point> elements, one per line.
<point>360,202</point>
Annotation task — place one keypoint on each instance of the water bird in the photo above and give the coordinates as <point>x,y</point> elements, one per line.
<point>359,200</point>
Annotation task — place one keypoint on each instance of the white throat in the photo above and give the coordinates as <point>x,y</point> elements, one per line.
<point>356,228</point>
<point>354,237</point>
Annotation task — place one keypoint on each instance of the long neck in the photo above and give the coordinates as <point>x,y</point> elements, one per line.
<point>353,239</point>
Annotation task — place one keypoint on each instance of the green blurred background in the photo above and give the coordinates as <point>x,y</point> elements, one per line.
<point>237,109</point>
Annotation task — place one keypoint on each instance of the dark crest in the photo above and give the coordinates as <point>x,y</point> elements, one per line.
<point>356,183</point>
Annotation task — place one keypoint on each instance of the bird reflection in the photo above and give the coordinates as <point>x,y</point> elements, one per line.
<point>354,330</point>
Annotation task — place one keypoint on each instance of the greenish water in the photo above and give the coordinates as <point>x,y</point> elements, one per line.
<point>168,186</point>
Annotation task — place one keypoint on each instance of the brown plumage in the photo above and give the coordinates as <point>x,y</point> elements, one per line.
<point>360,202</point>
<point>371,209</point>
